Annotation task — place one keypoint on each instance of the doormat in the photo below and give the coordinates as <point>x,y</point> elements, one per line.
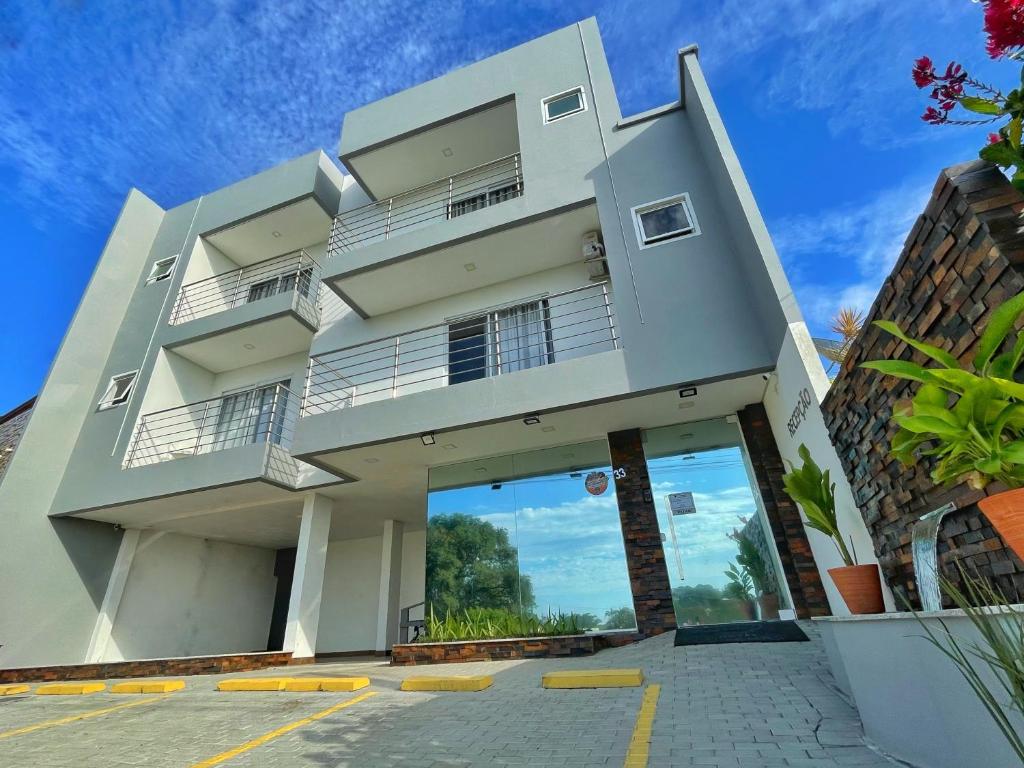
<point>741,632</point>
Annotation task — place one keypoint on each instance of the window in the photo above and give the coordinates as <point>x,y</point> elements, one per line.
<point>161,270</point>
<point>254,416</point>
<point>498,193</point>
<point>118,390</point>
<point>511,339</point>
<point>564,104</point>
<point>301,279</point>
<point>662,220</point>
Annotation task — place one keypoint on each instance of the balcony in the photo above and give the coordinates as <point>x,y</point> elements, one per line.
<point>258,416</point>
<point>554,329</point>
<point>441,200</point>
<point>248,315</point>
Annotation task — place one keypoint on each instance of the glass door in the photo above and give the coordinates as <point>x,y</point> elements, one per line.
<point>719,551</point>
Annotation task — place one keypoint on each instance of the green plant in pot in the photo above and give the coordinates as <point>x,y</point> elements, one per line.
<point>969,418</point>
<point>740,588</point>
<point>752,561</point>
<point>814,491</point>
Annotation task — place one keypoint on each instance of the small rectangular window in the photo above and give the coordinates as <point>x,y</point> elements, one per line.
<point>118,390</point>
<point>564,104</point>
<point>663,220</point>
<point>161,270</point>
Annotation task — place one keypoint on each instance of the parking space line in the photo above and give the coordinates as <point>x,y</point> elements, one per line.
<point>75,718</point>
<point>261,740</point>
<point>640,745</point>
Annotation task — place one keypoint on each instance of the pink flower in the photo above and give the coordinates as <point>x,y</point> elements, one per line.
<point>923,72</point>
<point>994,138</point>
<point>1004,25</point>
<point>934,116</point>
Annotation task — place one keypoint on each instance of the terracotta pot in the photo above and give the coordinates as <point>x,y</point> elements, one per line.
<point>860,586</point>
<point>1006,513</point>
<point>768,606</point>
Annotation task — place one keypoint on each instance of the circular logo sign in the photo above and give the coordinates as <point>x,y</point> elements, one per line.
<point>596,483</point>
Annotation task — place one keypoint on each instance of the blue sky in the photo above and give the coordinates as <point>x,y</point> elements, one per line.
<point>180,98</point>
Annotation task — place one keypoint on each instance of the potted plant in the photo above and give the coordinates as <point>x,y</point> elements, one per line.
<point>970,419</point>
<point>741,589</point>
<point>813,490</point>
<point>752,561</point>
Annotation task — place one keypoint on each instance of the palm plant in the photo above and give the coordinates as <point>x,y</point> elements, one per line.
<point>847,325</point>
<point>741,585</point>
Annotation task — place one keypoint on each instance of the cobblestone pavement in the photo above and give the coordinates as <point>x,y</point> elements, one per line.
<point>743,705</point>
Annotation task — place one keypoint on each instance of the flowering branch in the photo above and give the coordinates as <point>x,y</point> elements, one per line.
<point>1004,25</point>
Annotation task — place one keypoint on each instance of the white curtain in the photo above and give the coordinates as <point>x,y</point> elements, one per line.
<point>251,417</point>
<point>523,337</point>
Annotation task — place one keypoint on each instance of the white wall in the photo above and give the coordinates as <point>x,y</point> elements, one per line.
<point>348,612</point>
<point>799,369</point>
<point>187,596</point>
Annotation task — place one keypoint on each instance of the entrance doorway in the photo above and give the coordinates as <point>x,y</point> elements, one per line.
<point>721,558</point>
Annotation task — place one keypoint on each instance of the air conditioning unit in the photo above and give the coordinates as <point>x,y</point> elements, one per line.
<point>593,257</point>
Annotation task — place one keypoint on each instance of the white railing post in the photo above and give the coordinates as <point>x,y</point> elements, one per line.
<point>394,375</point>
<point>387,225</point>
<point>448,209</point>
<point>202,428</point>
<point>497,349</point>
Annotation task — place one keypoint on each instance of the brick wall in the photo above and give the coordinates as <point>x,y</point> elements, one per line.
<point>12,427</point>
<point>645,557</point>
<point>963,257</point>
<point>787,528</point>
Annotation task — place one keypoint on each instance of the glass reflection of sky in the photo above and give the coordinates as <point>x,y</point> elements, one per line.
<point>570,543</point>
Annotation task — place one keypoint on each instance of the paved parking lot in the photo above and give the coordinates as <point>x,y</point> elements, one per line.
<point>727,705</point>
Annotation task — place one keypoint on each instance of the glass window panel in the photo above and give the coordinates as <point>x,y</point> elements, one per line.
<point>664,222</point>
<point>467,350</point>
<point>564,105</point>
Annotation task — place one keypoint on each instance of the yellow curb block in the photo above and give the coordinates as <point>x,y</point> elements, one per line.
<point>594,678</point>
<point>70,689</point>
<point>332,684</point>
<point>448,683</point>
<point>640,745</point>
<point>256,684</point>
<point>156,686</point>
<point>13,688</point>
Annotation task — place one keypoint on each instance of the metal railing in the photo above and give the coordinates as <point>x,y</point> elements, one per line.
<point>296,271</point>
<point>458,195</point>
<point>547,330</point>
<point>263,414</point>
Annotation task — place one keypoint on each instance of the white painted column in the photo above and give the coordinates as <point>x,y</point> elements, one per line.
<point>104,626</point>
<point>308,579</point>
<point>388,607</point>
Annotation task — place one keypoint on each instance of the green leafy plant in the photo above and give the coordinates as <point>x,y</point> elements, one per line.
<point>813,490</point>
<point>969,418</point>
<point>740,586</point>
<point>751,561</point>
<point>495,624</point>
<point>1001,649</point>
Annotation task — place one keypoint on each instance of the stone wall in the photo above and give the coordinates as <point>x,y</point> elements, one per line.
<point>963,257</point>
<point>12,427</point>
<point>787,528</point>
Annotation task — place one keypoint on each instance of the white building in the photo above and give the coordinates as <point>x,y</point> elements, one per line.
<point>234,448</point>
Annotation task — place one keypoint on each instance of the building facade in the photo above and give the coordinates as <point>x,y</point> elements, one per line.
<point>263,390</point>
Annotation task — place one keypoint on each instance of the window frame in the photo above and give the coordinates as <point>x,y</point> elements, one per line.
<point>682,198</point>
<point>550,99</point>
<point>154,278</point>
<point>108,400</point>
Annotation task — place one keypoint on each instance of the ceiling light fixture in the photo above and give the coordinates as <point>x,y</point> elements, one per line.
<point>469,267</point>
<point>532,419</point>
<point>495,486</point>
<point>547,428</point>
<point>371,460</point>
<point>687,391</point>
<point>249,346</point>
<point>447,152</point>
<point>427,438</point>
<point>686,404</point>
<point>449,446</point>
<point>275,233</point>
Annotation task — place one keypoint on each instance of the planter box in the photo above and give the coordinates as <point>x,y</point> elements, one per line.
<point>913,702</point>
<point>513,648</point>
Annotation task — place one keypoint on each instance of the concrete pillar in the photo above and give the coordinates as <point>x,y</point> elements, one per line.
<point>388,607</point>
<point>104,626</point>
<point>308,578</point>
<point>645,556</point>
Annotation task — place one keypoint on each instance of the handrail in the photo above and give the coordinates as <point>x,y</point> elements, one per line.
<point>296,271</point>
<point>261,414</point>
<point>495,341</point>
<point>450,197</point>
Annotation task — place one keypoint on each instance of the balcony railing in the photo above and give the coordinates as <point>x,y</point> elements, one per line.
<point>259,415</point>
<point>547,330</point>
<point>444,199</point>
<point>297,271</point>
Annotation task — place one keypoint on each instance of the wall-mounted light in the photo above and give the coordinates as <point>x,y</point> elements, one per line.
<point>532,419</point>
<point>495,486</point>
<point>427,438</point>
<point>687,391</point>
